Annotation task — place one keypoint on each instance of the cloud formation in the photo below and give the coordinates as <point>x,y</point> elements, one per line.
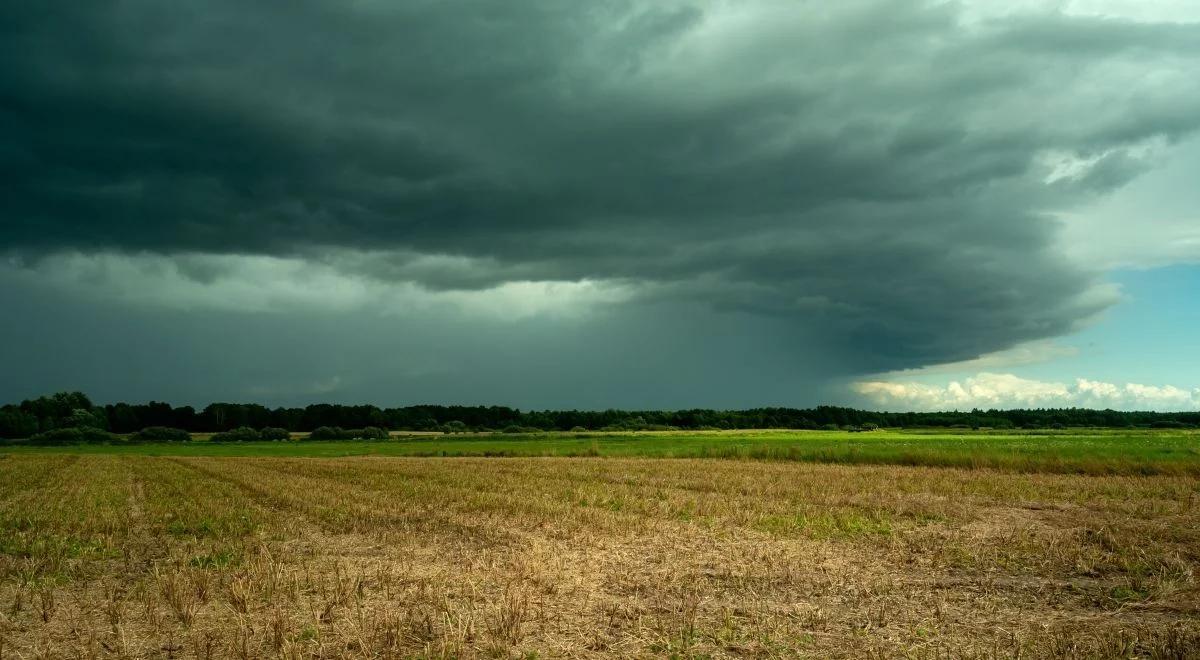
<point>209,283</point>
<point>881,176</point>
<point>1006,391</point>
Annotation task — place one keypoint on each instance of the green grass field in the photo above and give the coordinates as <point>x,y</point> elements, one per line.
<point>1072,451</point>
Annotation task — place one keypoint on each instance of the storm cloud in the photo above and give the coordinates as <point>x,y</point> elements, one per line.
<point>878,178</point>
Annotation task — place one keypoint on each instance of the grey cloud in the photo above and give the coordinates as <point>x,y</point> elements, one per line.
<point>867,173</point>
<point>639,356</point>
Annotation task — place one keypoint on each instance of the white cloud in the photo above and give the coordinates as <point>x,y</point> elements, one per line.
<point>1129,241</point>
<point>1153,221</point>
<point>994,390</point>
<point>1150,11</point>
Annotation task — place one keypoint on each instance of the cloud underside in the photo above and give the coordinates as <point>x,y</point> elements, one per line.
<point>880,176</point>
<point>1007,391</point>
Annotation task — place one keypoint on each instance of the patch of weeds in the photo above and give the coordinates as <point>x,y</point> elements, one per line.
<point>308,633</point>
<point>198,529</point>
<point>1124,594</point>
<point>821,526</point>
<point>219,559</point>
<point>928,518</point>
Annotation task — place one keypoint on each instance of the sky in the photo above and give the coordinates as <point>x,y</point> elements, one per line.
<point>891,204</point>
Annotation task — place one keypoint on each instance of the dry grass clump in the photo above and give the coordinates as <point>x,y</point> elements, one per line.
<point>124,556</point>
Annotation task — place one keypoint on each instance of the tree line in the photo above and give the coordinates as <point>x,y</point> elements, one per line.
<point>75,410</point>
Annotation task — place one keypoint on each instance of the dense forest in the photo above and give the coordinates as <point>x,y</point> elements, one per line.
<point>76,410</point>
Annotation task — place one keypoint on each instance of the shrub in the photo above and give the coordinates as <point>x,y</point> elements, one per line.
<point>578,429</point>
<point>161,434</point>
<point>339,433</point>
<point>369,433</point>
<point>326,433</point>
<point>240,434</point>
<point>513,428</point>
<point>274,433</point>
<point>454,426</point>
<point>74,436</point>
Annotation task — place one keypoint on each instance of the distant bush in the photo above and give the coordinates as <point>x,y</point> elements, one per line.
<point>240,434</point>
<point>639,423</point>
<point>74,436</point>
<point>513,428</point>
<point>578,429</point>
<point>634,425</point>
<point>326,433</point>
<point>161,434</point>
<point>274,433</point>
<point>454,426</point>
<point>339,433</point>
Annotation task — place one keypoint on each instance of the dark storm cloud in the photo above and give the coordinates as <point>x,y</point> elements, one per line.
<point>874,172</point>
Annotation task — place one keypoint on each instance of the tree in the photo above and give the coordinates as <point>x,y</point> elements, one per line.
<point>15,423</point>
<point>123,418</point>
<point>51,410</point>
<point>82,417</point>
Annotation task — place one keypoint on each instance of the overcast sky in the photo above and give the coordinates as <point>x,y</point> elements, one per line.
<point>626,203</point>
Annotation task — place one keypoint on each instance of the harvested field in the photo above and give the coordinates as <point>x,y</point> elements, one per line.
<point>213,557</point>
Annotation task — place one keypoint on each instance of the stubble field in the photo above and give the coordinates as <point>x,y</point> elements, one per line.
<point>111,555</point>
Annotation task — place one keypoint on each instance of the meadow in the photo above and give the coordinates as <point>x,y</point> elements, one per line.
<point>771,544</point>
<point>1085,451</point>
